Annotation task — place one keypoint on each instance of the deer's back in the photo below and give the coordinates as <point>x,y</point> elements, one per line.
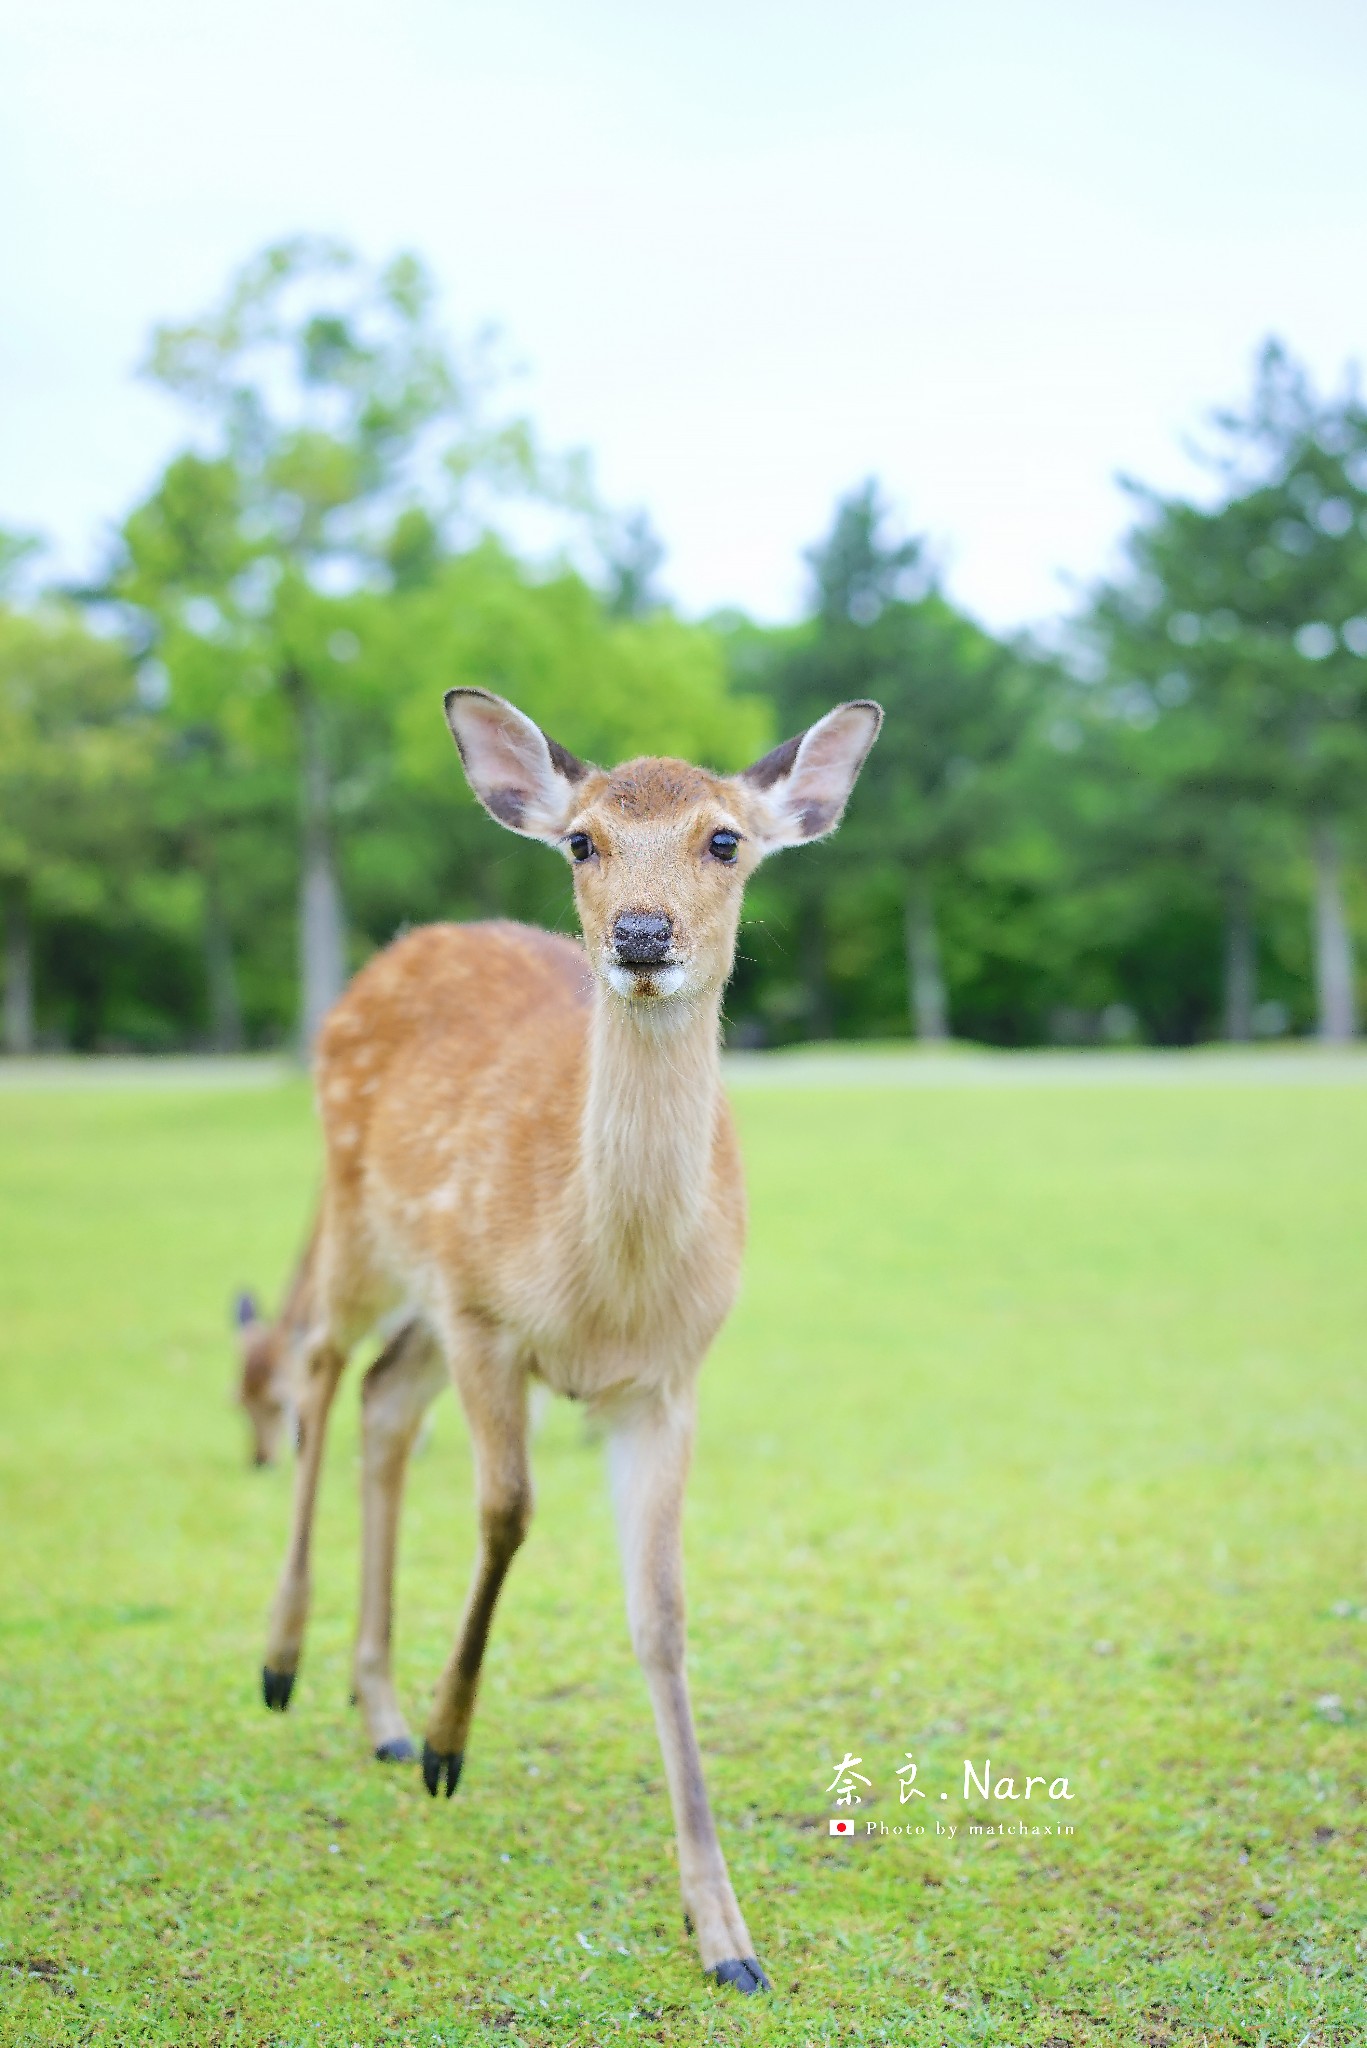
<point>473,982</point>
<point>442,1046</point>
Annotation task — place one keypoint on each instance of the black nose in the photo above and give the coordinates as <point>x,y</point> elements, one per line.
<point>640,938</point>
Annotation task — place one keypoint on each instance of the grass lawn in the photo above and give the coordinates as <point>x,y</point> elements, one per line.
<point>1040,1434</point>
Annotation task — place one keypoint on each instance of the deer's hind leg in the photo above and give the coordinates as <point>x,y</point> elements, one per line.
<point>319,1369</point>
<point>395,1395</point>
<point>332,1314</point>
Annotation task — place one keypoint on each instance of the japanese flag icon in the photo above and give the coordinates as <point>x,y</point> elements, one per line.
<point>842,1827</point>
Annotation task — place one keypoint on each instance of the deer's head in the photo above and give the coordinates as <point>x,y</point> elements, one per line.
<point>660,850</point>
<point>261,1389</point>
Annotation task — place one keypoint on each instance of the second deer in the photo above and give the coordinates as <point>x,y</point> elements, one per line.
<point>532,1174</point>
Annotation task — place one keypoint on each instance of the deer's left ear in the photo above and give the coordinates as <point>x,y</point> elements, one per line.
<point>805,784</point>
<point>523,778</point>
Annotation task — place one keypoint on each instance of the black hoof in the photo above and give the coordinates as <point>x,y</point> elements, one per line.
<point>745,1974</point>
<point>399,1751</point>
<point>439,1763</point>
<point>276,1687</point>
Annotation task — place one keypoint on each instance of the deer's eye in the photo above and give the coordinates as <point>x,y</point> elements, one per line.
<point>581,846</point>
<point>723,845</point>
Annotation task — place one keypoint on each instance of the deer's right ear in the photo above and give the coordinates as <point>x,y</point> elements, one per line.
<point>521,777</point>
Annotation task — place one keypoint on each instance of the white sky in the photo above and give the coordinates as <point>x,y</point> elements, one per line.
<point>748,252</point>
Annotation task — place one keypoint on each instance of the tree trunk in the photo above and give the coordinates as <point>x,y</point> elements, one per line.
<point>18,1014</point>
<point>927,1000</point>
<point>220,969</point>
<point>322,928</point>
<point>1335,990</point>
<point>1241,962</point>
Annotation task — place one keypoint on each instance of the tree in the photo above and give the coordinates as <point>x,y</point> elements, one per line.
<point>634,554</point>
<point>1190,784</point>
<point>73,780</point>
<point>957,705</point>
<point>857,571</point>
<point>186,557</point>
<point>346,439</point>
<point>1237,645</point>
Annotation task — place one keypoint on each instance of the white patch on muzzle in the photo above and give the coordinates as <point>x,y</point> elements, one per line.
<point>645,984</point>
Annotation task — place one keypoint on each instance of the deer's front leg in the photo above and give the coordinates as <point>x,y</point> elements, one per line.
<point>648,1454</point>
<point>493,1392</point>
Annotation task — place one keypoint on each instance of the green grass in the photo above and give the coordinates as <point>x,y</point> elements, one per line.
<point>1038,1434</point>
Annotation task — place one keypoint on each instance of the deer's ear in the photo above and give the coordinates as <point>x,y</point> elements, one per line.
<point>805,784</point>
<point>521,777</point>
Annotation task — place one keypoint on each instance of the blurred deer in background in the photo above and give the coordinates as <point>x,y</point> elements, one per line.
<point>264,1350</point>
<point>532,1173</point>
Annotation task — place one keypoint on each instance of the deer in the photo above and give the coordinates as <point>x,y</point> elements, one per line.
<point>532,1175</point>
<point>264,1354</point>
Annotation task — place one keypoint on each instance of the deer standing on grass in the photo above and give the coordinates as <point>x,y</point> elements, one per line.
<point>532,1173</point>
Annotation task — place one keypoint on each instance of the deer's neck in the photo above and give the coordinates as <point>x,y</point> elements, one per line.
<point>650,1119</point>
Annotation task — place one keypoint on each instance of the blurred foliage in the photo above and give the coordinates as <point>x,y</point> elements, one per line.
<point>1149,831</point>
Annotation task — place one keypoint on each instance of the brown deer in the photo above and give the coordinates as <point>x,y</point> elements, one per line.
<point>264,1352</point>
<point>532,1174</point>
